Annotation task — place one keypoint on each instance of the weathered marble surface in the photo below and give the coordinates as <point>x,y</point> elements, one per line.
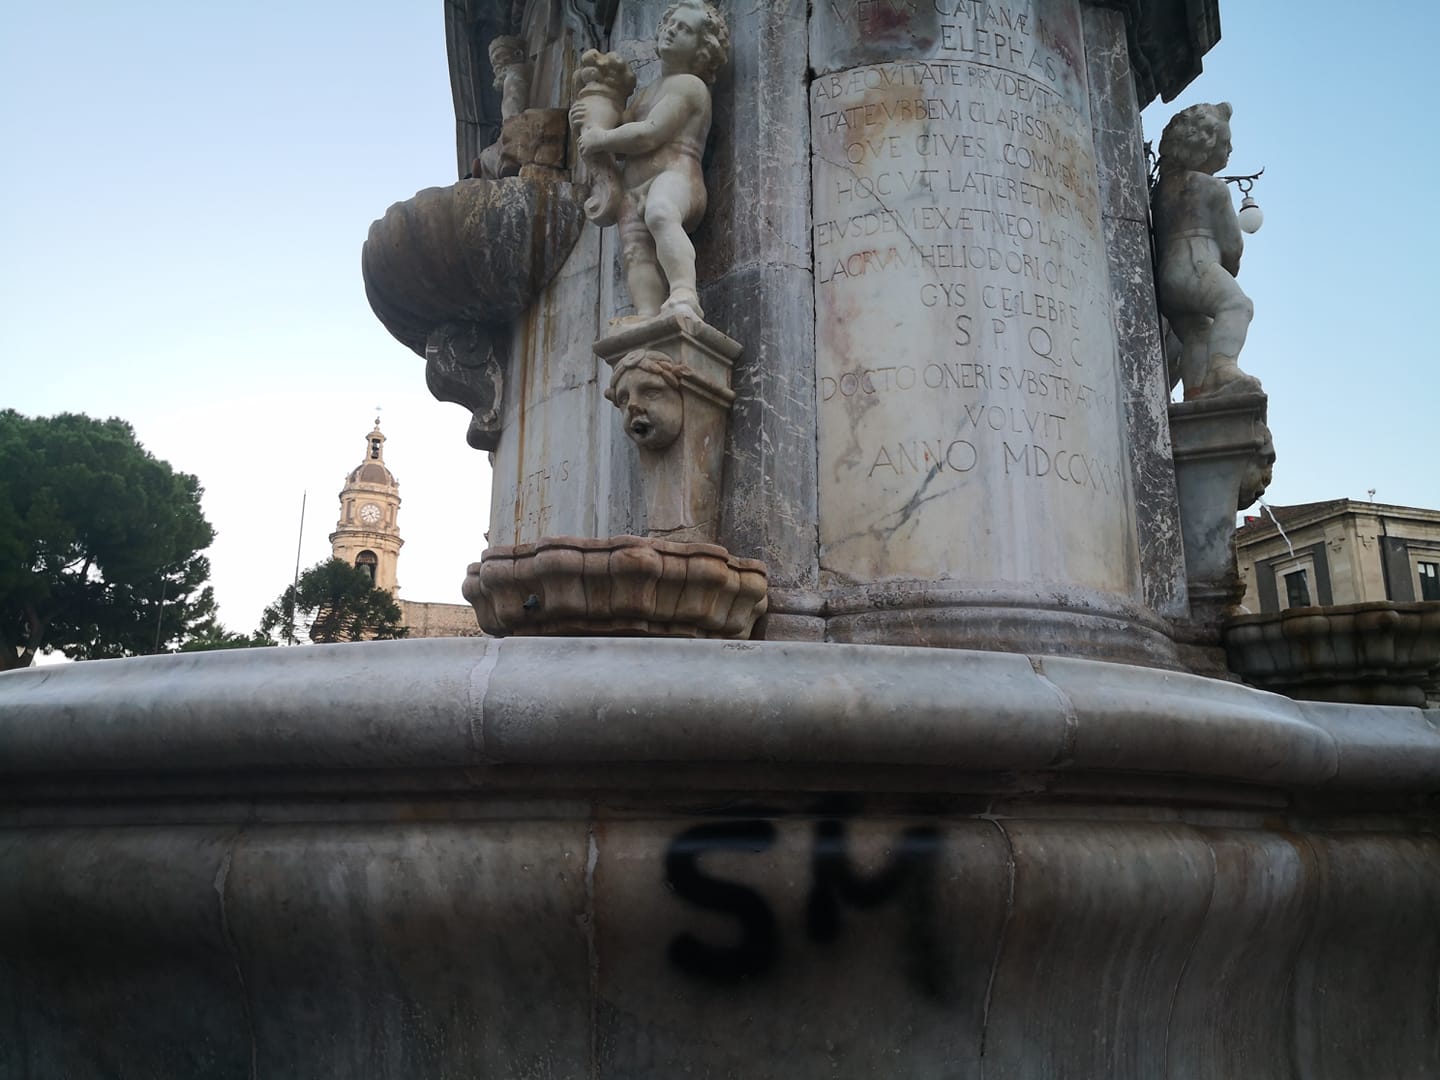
<point>1223,458</point>
<point>620,858</point>
<point>970,426</point>
<point>756,281</point>
<point>1145,390</point>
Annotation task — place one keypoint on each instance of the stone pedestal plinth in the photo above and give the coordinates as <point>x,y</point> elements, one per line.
<point>1223,456</point>
<point>681,469</point>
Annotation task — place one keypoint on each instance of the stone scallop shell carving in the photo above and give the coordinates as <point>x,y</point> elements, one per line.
<point>477,251</point>
<point>623,585</point>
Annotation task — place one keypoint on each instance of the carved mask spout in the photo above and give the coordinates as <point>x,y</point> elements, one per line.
<point>645,387</point>
<point>677,419</point>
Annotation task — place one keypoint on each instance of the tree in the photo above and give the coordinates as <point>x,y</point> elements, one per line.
<point>210,636</point>
<point>334,602</point>
<point>99,542</point>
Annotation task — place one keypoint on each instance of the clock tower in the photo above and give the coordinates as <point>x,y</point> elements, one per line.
<point>367,535</point>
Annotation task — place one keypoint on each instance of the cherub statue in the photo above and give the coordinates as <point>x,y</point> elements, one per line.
<point>1197,237</point>
<point>662,139</point>
<point>511,65</point>
<point>645,387</point>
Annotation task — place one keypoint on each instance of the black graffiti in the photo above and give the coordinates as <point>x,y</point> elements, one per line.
<point>759,943</point>
<point>908,879</point>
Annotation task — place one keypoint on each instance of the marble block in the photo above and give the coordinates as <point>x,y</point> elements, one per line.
<point>1223,454</point>
<point>682,475</point>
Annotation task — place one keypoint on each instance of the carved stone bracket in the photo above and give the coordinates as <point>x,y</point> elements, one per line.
<point>1223,457</point>
<point>465,364</point>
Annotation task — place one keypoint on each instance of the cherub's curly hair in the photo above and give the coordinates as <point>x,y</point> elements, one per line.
<point>1191,135</point>
<point>714,38</point>
<point>656,363</point>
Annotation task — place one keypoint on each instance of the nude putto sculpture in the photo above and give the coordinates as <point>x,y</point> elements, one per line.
<point>511,65</point>
<point>1198,246</point>
<point>661,139</point>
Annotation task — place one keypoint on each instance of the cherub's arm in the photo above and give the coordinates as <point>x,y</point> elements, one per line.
<point>665,120</point>
<point>1226,227</point>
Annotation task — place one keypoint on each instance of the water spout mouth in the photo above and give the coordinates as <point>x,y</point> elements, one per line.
<point>641,428</point>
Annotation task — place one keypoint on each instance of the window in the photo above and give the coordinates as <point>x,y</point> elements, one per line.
<point>1297,589</point>
<point>1429,580</point>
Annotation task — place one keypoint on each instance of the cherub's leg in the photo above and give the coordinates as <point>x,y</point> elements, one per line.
<point>664,217</point>
<point>642,270</point>
<point>1233,311</point>
<point>1232,317</point>
<point>1194,334</point>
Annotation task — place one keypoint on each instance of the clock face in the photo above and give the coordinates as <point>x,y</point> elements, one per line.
<point>370,513</point>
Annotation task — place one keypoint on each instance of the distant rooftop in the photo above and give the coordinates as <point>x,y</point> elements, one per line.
<point>1306,513</point>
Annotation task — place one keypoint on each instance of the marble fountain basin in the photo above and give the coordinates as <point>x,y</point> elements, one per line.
<point>1379,653</point>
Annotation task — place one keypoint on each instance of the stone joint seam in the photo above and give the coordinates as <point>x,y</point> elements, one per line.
<point>1065,753</point>
<point>221,886</point>
<point>479,690</point>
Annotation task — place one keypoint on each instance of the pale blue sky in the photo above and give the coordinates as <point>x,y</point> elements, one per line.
<point>186,188</point>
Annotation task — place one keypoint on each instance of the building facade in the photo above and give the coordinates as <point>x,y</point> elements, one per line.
<point>1339,552</point>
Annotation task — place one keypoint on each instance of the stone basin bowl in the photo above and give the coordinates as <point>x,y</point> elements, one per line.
<point>477,251</point>
<point>1372,654</point>
<point>623,585</point>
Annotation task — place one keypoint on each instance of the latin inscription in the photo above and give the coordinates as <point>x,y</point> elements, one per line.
<point>533,499</point>
<point>965,344</point>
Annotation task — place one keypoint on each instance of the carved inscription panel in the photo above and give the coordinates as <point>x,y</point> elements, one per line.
<point>966,355</point>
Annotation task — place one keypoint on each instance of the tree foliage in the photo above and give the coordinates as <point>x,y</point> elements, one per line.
<point>210,636</point>
<point>99,542</point>
<point>334,602</point>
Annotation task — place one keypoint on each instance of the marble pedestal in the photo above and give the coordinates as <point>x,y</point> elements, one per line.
<point>682,482</point>
<point>1223,454</point>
